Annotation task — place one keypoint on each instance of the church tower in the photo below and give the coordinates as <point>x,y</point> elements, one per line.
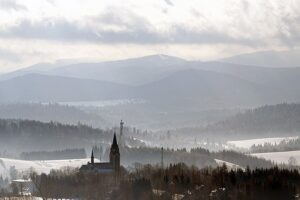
<point>114,158</point>
<point>121,139</point>
<point>92,157</point>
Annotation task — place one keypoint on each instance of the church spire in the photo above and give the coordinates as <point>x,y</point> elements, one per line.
<point>92,157</point>
<point>114,158</point>
<point>115,143</point>
<point>114,149</point>
<point>121,139</point>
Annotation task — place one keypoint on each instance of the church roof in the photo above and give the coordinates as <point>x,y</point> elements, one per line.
<point>115,143</point>
<point>104,165</point>
<point>98,167</point>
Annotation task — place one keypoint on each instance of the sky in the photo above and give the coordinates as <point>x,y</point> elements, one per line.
<point>34,31</point>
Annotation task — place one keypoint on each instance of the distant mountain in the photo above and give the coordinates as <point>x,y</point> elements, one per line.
<point>269,120</point>
<point>50,112</point>
<point>268,59</point>
<point>165,81</point>
<point>40,68</point>
<point>43,88</point>
<point>132,71</point>
<point>286,79</point>
<point>186,89</point>
<point>207,89</point>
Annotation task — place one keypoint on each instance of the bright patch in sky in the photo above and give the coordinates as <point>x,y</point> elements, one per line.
<point>43,31</point>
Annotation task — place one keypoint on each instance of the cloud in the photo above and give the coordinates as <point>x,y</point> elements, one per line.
<point>9,56</point>
<point>169,2</point>
<point>118,27</point>
<point>241,25</point>
<point>11,5</point>
<point>47,29</point>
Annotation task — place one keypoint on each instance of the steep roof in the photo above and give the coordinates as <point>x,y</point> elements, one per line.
<point>115,143</point>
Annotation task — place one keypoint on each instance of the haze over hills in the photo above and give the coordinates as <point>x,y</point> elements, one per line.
<point>133,71</point>
<point>278,78</point>
<point>185,89</point>
<point>269,120</point>
<point>50,112</point>
<point>199,88</point>
<point>166,81</point>
<point>277,59</point>
<point>41,68</point>
<point>142,70</point>
<point>44,88</point>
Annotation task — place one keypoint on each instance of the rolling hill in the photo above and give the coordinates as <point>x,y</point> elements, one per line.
<point>44,88</point>
<point>134,71</point>
<point>269,120</point>
<point>207,89</point>
<point>50,112</point>
<point>277,78</point>
<point>281,59</point>
<point>165,81</point>
<point>185,89</point>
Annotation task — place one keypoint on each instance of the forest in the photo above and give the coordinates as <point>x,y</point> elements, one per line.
<point>29,135</point>
<point>277,119</point>
<point>195,157</point>
<point>54,155</point>
<point>285,145</point>
<point>150,182</point>
<point>47,112</point>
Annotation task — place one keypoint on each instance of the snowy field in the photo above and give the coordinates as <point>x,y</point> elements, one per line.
<point>39,166</point>
<point>104,103</point>
<point>246,144</point>
<point>230,166</point>
<point>280,157</point>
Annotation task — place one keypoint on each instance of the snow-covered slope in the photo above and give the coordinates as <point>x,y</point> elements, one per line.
<point>280,157</point>
<point>39,166</point>
<point>246,144</point>
<point>230,166</point>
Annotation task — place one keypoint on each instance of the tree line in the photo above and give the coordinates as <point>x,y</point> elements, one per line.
<point>54,155</point>
<point>199,157</point>
<point>280,119</point>
<point>284,145</point>
<point>150,182</point>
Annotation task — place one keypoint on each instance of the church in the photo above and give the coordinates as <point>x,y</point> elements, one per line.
<point>113,166</point>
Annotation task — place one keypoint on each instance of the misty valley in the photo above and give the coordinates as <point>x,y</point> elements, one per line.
<point>154,127</point>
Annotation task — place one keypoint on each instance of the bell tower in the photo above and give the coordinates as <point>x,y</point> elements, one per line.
<point>114,158</point>
<point>92,157</point>
<point>121,139</point>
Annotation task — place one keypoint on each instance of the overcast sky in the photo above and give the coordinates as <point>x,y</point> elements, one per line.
<point>34,31</point>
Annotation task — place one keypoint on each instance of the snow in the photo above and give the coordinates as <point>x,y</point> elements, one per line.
<point>21,181</point>
<point>279,157</point>
<point>40,166</point>
<point>104,103</point>
<point>230,166</point>
<point>246,144</point>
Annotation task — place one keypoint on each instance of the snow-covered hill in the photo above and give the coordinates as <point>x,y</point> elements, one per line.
<point>246,144</point>
<point>280,157</point>
<point>40,166</point>
<point>230,166</point>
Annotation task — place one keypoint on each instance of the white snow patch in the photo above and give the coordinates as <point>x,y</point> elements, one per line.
<point>246,144</point>
<point>279,157</point>
<point>230,166</point>
<point>40,166</point>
